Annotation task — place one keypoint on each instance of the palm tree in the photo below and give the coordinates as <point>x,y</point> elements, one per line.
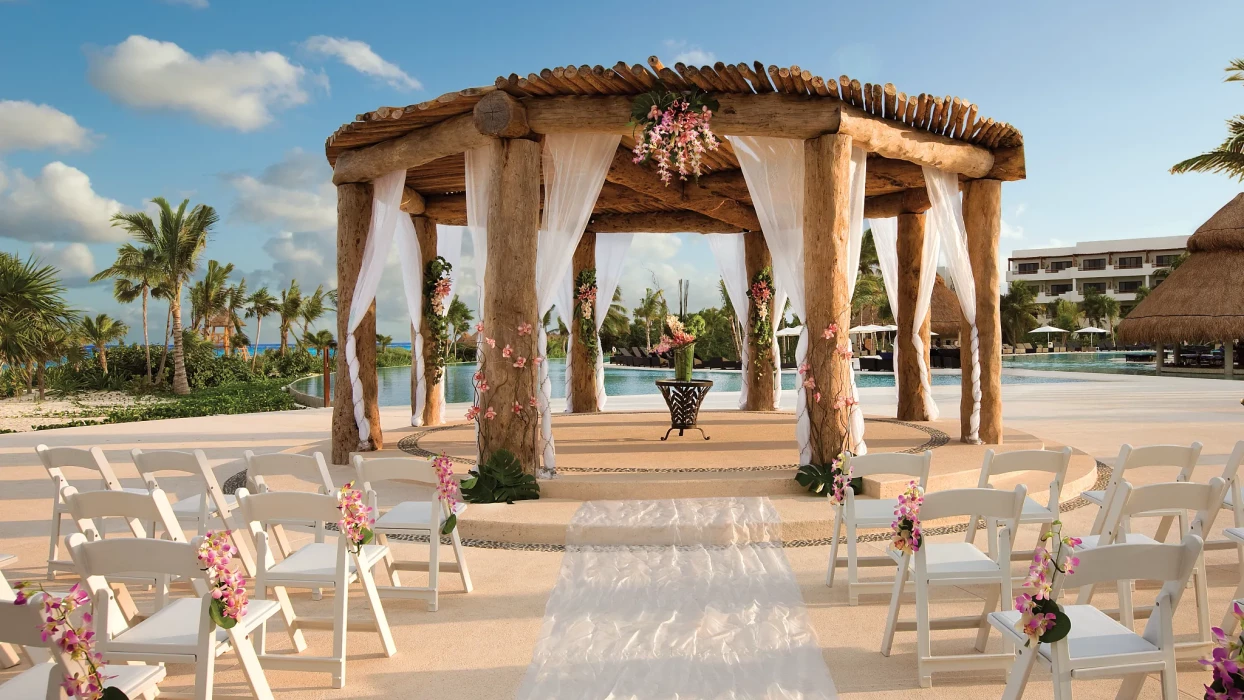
<point>459,317</point>
<point>382,340</point>
<point>290,310</point>
<point>164,291</point>
<point>323,343</point>
<point>727,307</point>
<point>235,300</point>
<point>177,243</point>
<point>313,308</point>
<point>869,296</point>
<point>209,297</point>
<point>652,309</point>
<point>1100,309</point>
<point>1228,158</point>
<point>616,325</point>
<point>33,312</point>
<point>100,331</point>
<point>868,254</point>
<point>260,304</point>
<point>134,273</point>
<point>1018,309</point>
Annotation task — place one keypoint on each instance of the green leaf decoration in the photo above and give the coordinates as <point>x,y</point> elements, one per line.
<point>1062,623</point>
<point>368,536</point>
<point>450,523</point>
<point>819,479</point>
<point>468,482</point>
<point>500,479</point>
<point>217,613</point>
<point>111,693</point>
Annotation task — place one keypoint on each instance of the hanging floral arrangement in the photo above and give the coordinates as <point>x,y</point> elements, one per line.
<point>436,285</point>
<point>907,536</point>
<point>228,587</point>
<point>1041,617</point>
<point>675,131</point>
<point>761,321</point>
<point>447,491</point>
<point>77,643</point>
<point>1227,661</point>
<point>518,370</point>
<point>357,519</point>
<point>585,306</point>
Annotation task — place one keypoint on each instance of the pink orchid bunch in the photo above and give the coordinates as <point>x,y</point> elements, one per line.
<point>842,478</point>
<point>907,535</point>
<point>447,491</point>
<point>229,598</point>
<point>1040,614</point>
<point>676,339</point>
<point>676,137</point>
<point>357,519</point>
<point>586,296</point>
<point>76,642</point>
<point>1227,662</point>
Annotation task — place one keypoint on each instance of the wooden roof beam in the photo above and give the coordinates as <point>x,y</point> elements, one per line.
<point>698,199</point>
<point>412,201</point>
<point>885,206</point>
<point>421,146</point>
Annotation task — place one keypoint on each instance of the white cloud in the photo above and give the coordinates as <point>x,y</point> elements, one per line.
<point>75,261</point>
<point>296,193</point>
<point>194,4</point>
<point>1010,230</point>
<point>690,54</point>
<point>26,125</point>
<point>236,90</point>
<point>58,205</point>
<point>361,58</point>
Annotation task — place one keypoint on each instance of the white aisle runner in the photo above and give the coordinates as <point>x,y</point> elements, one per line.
<point>686,599</point>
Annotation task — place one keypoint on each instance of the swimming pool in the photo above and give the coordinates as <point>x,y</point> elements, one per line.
<point>1098,362</point>
<point>394,384</point>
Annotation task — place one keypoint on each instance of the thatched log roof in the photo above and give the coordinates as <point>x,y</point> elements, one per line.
<point>945,312</point>
<point>1202,299</point>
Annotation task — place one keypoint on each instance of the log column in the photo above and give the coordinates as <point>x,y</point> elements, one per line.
<point>510,301</point>
<point>982,217</point>
<point>760,393</point>
<point>911,394</point>
<point>583,397</point>
<point>826,217</point>
<point>353,220</point>
<point>425,231</point>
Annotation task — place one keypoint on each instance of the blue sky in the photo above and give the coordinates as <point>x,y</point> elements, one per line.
<point>229,103</point>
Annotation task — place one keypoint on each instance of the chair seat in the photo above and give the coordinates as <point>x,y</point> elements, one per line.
<point>1098,497</point>
<point>409,515</point>
<point>1235,533</point>
<point>131,680</point>
<point>175,628</point>
<point>947,559</point>
<point>6,559</point>
<point>317,562</point>
<point>1093,633</point>
<point>1093,541</point>
<point>874,512</point>
<point>190,505</point>
<point>1035,513</point>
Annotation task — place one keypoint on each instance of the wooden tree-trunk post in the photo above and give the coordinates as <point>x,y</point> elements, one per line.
<point>982,217</point>
<point>353,220</point>
<point>760,394</point>
<point>425,231</point>
<point>1159,356</point>
<point>583,397</point>
<point>826,222</point>
<point>510,302</point>
<point>911,399</point>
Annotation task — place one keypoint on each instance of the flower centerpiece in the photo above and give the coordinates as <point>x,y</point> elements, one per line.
<point>75,642</point>
<point>682,343</point>
<point>1041,617</point>
<point>585,306</point>
<point>229,600</point>
<point>760,320</point>
<point>1227,661</point>
<point>356,518</point>
<point>447,491</point>
<point>907,536</point>
<point>436,285</point>
<point>674,131</point>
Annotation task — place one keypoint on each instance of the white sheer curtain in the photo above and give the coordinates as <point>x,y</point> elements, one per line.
<point>477,165</point>
<point>773,170</point>
<point>387,221</point>
<point>855,239</point>
<point>929,256</point>
<point>564,304</point>
<point>611,250</point>
<point>885,238</point>
<point>449,246</point>
<point>729,250</point>
<point>946,216</point>
<point>574,170</point>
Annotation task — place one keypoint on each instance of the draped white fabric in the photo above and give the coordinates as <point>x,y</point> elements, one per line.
<point>729,250</point>
<point>477,165</point>
<point>387,221</point>
<point>946,216</point>
<point>885,239</point>
<point>564,305</point>
<point>929,257</point>
<point>779,303</point>
<point>411,260</point>
<point>574,171</point>
<point>611,250</point>
<point>773,170</point>
<point>449,246</point>
<point>855,239</point>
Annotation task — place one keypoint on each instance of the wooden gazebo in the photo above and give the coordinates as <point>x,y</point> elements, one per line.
<point>900,132</point>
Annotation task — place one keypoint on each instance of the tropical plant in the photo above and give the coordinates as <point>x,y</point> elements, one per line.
<point>1100,309</point>
<point>313,308</point>
<point>1228,158</point>
<point>235,302</point>
<point>100,331</point>
<point>1141,292</point>
<point>1019,309</point>
<point>869,262</point>
<point>323,343</point>
<point>617,325</point>
<point>384,341</point>
<point>259,304</point>
<point>1065,314</point>
<point>177,243</point>
<point>500,479</point>
<point>290,310</point>
<point>134,273</point>
<point>869,297</point>
<point>459,318</point>
<point>1161,275</point>
<point>727,307</point>
<point>33,312</point>
<point>164,292</point>
<point>651,310</point>
<point>818,479</point>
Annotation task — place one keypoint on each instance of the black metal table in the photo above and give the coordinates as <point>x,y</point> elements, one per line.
<point>683,399</point>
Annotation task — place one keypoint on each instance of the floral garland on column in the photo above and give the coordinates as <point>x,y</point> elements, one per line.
<point>521,365</point>
<point>585,304</point>
<point>76,643</point>
<point>675,131</point>
<point>840,400</point>
<point>436,285</point>
<point>761,321</point>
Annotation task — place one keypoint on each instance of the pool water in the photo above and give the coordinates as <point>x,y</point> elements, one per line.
<point>394,384</point>
<point>1099,362</point>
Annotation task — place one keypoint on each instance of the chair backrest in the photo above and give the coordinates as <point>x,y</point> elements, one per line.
<point>1053,462</point>
<point>57,459</point>
<point>139,508</point>
<point>1184,458</point>
<point>1204,499</point>
<point>153,462</point>
<point>419,471</point>
<point>22,624</point>
<point>258,510</point>
<point>914,465</point>
<point>986,503</point>
<point>311,468</point>
<point>1170,563</point>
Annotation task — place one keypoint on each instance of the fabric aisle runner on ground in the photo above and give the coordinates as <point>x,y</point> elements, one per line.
<point>687,598</point>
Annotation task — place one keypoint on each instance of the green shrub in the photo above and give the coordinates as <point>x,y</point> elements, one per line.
<point>393,357</point>
<point>500,480</point>
<point>290,365</point>
<point>237,397</point>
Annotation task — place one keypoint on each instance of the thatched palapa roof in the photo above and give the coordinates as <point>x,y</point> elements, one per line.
<point>944,309</point>
<point>1202,299</point>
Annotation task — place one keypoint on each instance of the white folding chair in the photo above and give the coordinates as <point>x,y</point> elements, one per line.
<point>56,460</point>
<point>1174,456</point>
<point>21,625</point>
<point>1203,499</point>
<point>8,654</point>
<point>1232,502</point>
<point>425,516</point>
<point>199,508</point>
<point>1098,646</point>
<point>316,565</point>
<point>957,564</point>
<point>182,632</point>
<point>867,513</point>
<point>308,468</point>
<point>90,508</point>
<point>1049,461</point>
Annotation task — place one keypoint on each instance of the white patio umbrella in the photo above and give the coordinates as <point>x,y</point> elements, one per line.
<point>1092,330</point>
<point>789,331</point>
<point>1047,330</point>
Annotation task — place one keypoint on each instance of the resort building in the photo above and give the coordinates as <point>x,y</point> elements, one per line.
<point>1116,268</point>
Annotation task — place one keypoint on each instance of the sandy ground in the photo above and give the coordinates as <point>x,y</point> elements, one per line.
<point>479,645</point>
<point>23,413</point>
